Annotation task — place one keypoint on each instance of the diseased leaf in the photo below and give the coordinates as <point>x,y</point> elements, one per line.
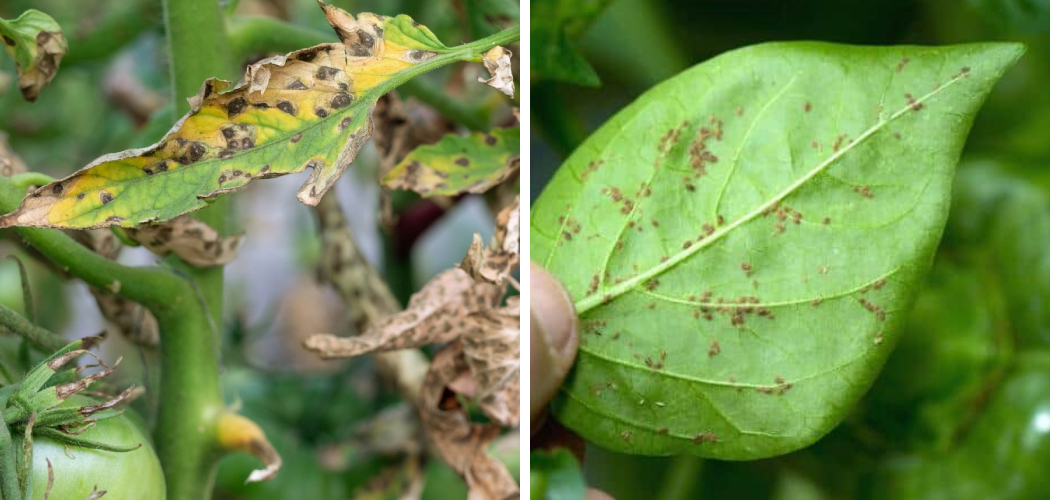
<point>34,40</point>
<point>458,441</point>
<point>435,314</point>
<point>310,108</point>
<point>741,241</point>
<point>498,261</point>
<point>492,349</point>
<point>192,240</point>
<point>458,164</point>
<point>497,61</point>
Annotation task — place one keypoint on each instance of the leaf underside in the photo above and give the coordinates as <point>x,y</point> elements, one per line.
<point>742,240</point>
<point>311,108</point>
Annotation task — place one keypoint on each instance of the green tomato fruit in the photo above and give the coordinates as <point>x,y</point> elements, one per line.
<point>133,475</point>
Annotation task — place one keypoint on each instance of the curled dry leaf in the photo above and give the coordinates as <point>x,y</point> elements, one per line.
<point>435,314</point>
<point>493,353</point>
<point>133,321</point>
<point>497,61</point>
<point>497,262</point>
<point>459,164</point>
<point>460,442</point>
<point>34,40</point>
<point>308,109</point>
<point>237,433</point>
<point>10,163</point>
<point>192,240</point>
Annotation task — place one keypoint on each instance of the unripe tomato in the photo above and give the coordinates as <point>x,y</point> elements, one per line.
<point>133,475</point>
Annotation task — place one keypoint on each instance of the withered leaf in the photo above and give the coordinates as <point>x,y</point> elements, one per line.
<point>237,433</point>
<point>35,41</point>
<point>492,349</point>
<point>435,314</point>
<point>497,61</point>
<point>308,109</point>
<point>10,163</point>
<point>458,441</point>
<point>459,164</point>
<point>496,263</point>
<point>192,240</point>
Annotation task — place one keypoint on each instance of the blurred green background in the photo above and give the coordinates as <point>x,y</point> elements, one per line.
<point>962,409</point>
<point>342,434</point>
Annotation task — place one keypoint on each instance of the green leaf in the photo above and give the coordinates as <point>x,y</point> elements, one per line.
<point>555,476</point>
<point>741,242</point>
<point>554,54</point>
<point>458,164</point>
<point>34,40</point>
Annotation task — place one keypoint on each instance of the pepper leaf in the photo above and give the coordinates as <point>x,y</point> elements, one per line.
<point>741,242</point>
<point>309,109</point>
<point>34,40</point>
<point>458,164</point>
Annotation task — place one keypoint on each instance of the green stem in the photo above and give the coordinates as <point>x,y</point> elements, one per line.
<point>253,35</point>
<point>23,181</point>
<point>41,338</point>
<point>191,398</point>
<point>118,24</point>
<point>683,475</point>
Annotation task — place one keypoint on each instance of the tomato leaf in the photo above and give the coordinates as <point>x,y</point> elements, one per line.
<point>741,242</point>
<point>34,40</point>
<point>554,52</point>
<point>311,108</point>
<point>459,164</point>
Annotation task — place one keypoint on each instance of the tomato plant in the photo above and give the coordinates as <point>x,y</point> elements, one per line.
<point>234,312</point>
<point>798,265</point>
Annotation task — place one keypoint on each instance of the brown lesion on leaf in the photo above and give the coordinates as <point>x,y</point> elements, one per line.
<point>878,311</point>
<point>105,197</point>
<point>591,167</point>
<point>699,154</point>
<point>864,191</point>
<point>288,107</point>
<point>714,349</point>
<point>902,63</point>
<point>236,106</point>
<point>238,136</point>
<point>705,437</point>
<point>912,102</point>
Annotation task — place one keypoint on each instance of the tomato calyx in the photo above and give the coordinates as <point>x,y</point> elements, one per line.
<point>31,408</point>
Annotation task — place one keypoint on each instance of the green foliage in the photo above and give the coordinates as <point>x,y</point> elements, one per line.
<point>754,244</point>
<point>554,52</point>
<point>555,476</point>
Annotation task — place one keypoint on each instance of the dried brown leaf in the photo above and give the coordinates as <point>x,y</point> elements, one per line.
<point>458,441</point>
<point>192,240</point>
<point>10,163</point>
<point>134,322</point>
<point>435,314</point>
<point>497,262</point>
<point>35,41</point>
<point>491,345</point>
<point>497,61</point>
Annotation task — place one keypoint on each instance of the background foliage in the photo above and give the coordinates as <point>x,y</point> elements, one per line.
<point>961,409</point>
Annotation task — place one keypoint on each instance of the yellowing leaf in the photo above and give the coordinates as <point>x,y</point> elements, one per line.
<point>192,240</point>
<point>497,61</point>
<point>458,441</point>
<point>456,164</point>
<point>497,262</point>
<point>34,40</point>
<point>309,109</point>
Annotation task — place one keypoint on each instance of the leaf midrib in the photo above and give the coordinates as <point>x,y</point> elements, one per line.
<point>603,296</point>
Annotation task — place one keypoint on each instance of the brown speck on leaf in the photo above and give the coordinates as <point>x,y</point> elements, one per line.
<point>903,62</point>
<point>744,266</point>
<point>912,103</point>
<point>827,220</point>
<point>714,349</point>
<point>864,191</point>
<point>807,107</point>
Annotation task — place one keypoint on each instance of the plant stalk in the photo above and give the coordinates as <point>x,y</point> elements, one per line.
<point>191,399</point>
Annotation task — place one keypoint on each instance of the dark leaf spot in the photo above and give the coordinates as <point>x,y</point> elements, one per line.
<point>345,123</point>
<point>236,106</point>
<point>57,189</point>
<point>490,140</point>
<point>326,73</point>
<point>321,112</point>
<point>341,100</point>
<point>463,161</point>
<point>105,197</point>
<point>287,107</point>
<point>296,137</point>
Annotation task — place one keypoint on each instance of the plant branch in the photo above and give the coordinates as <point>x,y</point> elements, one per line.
<point>39,337</point>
